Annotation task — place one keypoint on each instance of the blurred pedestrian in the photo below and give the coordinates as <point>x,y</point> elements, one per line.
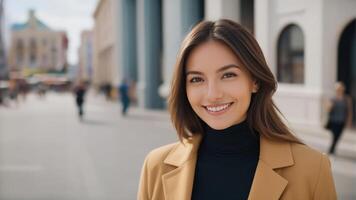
<point>13,91</point>
<point>339,114</point>
<point>124,92</point>
<point>107,90</point>
<point>3,95</point>
<point>41,90</point>
<point>23,88</point>
<point>80,91</point>
<point>233,143</point>
<point>2,98</point>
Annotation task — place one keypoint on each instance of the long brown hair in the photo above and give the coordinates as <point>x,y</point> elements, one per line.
<point>262,115</point>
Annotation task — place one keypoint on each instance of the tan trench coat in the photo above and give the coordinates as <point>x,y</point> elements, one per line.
<point>284,171</point>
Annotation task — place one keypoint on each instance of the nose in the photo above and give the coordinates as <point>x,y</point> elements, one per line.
<point>215,92</point>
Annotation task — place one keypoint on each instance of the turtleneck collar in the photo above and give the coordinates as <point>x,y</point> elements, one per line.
<point>237,139</point>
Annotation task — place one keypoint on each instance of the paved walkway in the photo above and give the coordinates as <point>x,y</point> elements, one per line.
<point>47,153</point>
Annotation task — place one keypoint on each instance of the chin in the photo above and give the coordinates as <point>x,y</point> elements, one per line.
<point>219,126</point>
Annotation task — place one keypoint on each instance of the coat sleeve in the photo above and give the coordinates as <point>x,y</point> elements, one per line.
<point>325,187</point>
<point>143,192</point>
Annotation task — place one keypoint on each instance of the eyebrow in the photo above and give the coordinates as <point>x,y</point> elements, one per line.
<point>223,68</point>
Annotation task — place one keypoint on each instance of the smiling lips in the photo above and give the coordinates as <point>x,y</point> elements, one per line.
<point>218,109</point>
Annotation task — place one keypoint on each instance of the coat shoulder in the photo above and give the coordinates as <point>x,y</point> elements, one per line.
<point>310,173</point>
<point>307,155</point>
<point>310,164</point>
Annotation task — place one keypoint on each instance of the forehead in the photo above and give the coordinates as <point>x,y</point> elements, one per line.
<point>211,55</point>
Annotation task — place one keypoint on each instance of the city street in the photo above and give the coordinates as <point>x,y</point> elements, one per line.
<point>47,153</point>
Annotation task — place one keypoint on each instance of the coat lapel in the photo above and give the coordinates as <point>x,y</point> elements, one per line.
<point>178,183</point>
<point>267,183</point>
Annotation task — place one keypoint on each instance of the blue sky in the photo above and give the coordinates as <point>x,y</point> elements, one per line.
<point>72,16</point>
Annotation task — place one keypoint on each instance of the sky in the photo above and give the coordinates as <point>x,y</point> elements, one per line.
<point>72,16</point>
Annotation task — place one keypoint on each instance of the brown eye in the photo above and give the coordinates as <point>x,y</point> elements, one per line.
<point>229,75</point>
<point>196,80</point>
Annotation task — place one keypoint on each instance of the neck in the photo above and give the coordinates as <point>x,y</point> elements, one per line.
<point>234,139</point>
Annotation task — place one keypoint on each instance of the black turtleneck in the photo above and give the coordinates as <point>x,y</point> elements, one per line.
<point>226,164</point>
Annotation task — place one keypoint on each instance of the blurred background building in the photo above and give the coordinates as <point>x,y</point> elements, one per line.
<point>309,45</point>
<point>35,46</point>
<point>85,53</point>
<point>106,71</point>
<point>3,68</point>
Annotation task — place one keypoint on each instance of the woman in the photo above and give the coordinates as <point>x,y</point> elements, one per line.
<point>340,114</point>
<point>233,144</point>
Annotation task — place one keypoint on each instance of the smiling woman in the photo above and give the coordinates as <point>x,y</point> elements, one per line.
<point>218,88</point>
<point>233,143</point>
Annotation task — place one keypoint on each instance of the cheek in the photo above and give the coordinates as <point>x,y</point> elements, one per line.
<point>193,96</point>
<point>189,94</point>
<point>241,92</point>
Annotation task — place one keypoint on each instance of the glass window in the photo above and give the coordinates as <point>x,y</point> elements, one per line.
<point>33,52</point>
<point>291,55</point>
<point>19,51</point>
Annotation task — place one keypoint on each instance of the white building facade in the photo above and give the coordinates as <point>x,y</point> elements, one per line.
<point>322,24</point>
<point>105,60</point>
<point>309,45</point>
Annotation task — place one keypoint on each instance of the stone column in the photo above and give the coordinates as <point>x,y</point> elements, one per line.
<point>216,9</point>
<point>128,39</point>
<point>179,17</point>
<point>149,53</point>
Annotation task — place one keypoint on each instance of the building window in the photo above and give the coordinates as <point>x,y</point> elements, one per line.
<point>44,61</point>
<point>19,52</point>
<point>33,53</point>
<point>290,57</point>
<point>44,43</point>
<point>247,14</point>
<point>54,53</point>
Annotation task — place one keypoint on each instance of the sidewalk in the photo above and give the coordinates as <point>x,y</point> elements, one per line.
<point>320,138</point>
<point>348,136</point>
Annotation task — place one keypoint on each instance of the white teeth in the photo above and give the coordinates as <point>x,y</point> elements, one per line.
<point>217,108</point>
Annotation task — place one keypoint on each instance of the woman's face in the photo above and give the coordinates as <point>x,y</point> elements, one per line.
<point>340,88</point>
<point>218,86</point>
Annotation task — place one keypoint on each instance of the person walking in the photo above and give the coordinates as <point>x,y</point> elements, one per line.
<point>124,92</point>
<point>14,91</point>
<point>80,91</point>
<point>340,114</point>
<point>107,91</point>
<point>233,143</point>
<point>2,98</point>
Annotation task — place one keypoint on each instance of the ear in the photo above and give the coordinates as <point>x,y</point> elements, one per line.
<point>255,87</point>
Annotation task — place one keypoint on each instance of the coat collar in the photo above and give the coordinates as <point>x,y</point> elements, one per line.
<point>267,183</point>
<point>184,151</point>
<point>178,183</point>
